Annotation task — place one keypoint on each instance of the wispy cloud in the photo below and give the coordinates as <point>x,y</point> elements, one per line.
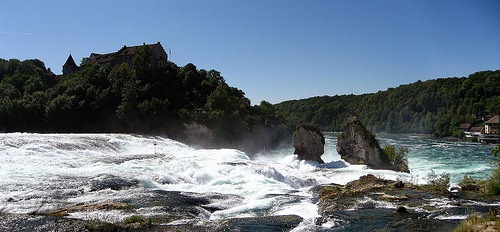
<point>14,33</point>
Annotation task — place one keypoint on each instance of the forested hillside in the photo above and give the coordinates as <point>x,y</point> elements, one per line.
<point>142,99</point>
<point>131,98</point>
<point>434,106</point>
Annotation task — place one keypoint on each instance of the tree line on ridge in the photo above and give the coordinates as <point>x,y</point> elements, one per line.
<point>435,107</point>
<point>139,98</point>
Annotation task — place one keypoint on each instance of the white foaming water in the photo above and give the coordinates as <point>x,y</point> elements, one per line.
<point>47,171</point>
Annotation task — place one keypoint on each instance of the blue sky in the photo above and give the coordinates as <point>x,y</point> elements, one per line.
<point>273,50</point>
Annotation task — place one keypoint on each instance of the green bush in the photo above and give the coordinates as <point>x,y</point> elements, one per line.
<point>96,225</point>
<point>133,219</point>
<point>496,150</point>
<point>397,157</point>
<point>492,185</point>
<point>489,186</point>
<point>479,222</point>
<point>438,182</point>
<point>469,183</point>
<point>137,221</point>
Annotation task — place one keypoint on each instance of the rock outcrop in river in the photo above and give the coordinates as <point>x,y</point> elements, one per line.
<point>357,145</point>
<point>309,143</point>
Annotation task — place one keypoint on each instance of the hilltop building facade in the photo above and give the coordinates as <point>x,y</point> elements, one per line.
<point>126,54</point>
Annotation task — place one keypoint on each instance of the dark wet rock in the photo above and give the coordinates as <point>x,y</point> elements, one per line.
<point>402,209</point>
<point>385,220</point>
<point>358,145</point>
<point>337,197</point>
<point>234,163</point>
<point>102,182</point>
<point>368,204</point>
<point>399,184</point>
<point>177,198</point>
<point>309,143</point>
<point>83,207</point>
<point>24,222</point>
<point>162,207</point>
<point>182,227</point>
<point>170,206</point>
<point>216,201</point>
<point>268,223</point>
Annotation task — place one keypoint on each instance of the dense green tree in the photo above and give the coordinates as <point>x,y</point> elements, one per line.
<point>229,112</point>
<point>434,106</point>
<point>64,113</point>
<point>126,90</point>
<point>9,91</point>
<point>138,97</point>
<point>6,114</point>
<point>142,61</point>
<point>134,97</point>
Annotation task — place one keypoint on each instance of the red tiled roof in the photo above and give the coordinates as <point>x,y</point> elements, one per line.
<point>464,126</point>
<point>101,58</point>
<point>477,129</point>
<point>124,51</point>
<point>494,120</point>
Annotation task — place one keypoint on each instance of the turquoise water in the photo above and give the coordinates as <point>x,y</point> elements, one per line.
<point>443,156</point>
<point>425,153</point>
<point>48,171</point>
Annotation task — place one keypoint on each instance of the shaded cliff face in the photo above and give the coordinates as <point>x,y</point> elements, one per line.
<point>309,144</point>
<point>358,145</point>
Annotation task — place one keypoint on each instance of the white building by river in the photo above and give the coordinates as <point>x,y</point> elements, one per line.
<point>489,133</point>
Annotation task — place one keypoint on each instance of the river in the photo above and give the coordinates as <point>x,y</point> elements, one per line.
<point>43,172</point>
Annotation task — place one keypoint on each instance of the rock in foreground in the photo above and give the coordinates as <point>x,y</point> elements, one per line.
<point>375,204</point>
<point>309,143</point>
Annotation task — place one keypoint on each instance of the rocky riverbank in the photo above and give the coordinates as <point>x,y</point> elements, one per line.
<point>154,210</point>
<point>372,204</point>
<point>53,223</point>
<point>367,204</point>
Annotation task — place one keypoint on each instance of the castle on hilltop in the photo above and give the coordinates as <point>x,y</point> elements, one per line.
<point>126,54</point>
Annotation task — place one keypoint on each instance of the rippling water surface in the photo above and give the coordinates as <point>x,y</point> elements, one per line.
<point>48,171</point>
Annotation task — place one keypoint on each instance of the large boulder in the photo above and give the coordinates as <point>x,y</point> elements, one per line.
<point>357,145</point>
<point>309,143</point>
